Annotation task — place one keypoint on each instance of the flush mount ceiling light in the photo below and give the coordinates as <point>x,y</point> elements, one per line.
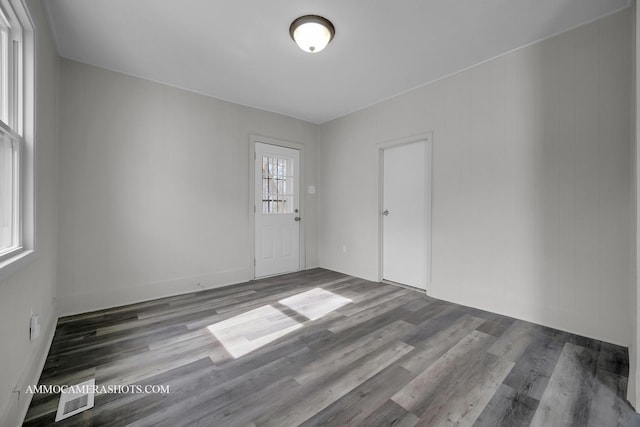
<point>312,33</point>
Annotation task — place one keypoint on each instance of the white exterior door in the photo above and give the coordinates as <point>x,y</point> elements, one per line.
<point>277,216</point>
<point>404,225</point>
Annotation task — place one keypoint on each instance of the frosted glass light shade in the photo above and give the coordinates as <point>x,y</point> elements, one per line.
<point>312,33</point>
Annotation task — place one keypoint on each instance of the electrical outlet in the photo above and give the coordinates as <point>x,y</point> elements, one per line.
<point>34,326</point>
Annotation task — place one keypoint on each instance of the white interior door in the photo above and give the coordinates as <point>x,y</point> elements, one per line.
<point>277,217</point>
<point>404,257</point>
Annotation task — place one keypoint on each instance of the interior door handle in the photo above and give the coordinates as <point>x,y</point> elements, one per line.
<point>297,218</point>
<point>386,212</point>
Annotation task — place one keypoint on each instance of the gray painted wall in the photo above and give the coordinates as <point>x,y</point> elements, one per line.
<point>532,178</point>
<point>154,188</point>
<point>33,287</point>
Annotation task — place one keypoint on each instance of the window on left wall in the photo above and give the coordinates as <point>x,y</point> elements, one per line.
<point>16,141</point>
<point>10,224</point>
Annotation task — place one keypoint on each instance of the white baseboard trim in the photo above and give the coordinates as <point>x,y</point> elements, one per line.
<point>632,390</point>
<point>86,302</point>
<point>16,409</point>
<point>634,378</point>
<point>636,402</point>
<point>546,316</point>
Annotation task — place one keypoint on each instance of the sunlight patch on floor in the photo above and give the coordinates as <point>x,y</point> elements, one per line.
<point>315,303</point>
<point>249,331</point>
<point>246,332</point>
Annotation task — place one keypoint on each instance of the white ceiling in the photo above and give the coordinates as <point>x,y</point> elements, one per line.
<point>240,50</point>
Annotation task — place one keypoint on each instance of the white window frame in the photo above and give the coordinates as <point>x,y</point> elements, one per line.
<point>16,226</point>
<point>17,118</point>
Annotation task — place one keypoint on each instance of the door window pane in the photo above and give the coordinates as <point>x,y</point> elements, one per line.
<point>277,185</point>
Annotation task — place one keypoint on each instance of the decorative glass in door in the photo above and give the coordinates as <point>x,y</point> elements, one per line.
<point>277,185</point>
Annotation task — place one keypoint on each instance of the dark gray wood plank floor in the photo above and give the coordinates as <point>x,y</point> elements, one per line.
<point>318,348</point>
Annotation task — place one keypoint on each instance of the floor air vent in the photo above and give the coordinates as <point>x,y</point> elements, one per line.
<point>76,399</point>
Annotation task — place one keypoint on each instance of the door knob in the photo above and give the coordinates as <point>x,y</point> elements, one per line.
<point>297,218</point>
<point>385,213</point>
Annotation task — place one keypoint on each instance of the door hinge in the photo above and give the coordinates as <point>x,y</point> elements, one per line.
<point>254,262</point>
<point>255,156</point>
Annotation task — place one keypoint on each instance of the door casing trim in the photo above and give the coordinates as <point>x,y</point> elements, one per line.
<point>253,139</point>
